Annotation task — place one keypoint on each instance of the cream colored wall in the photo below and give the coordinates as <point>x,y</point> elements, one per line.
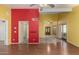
<point>5,15</point>
<point>46,20</point>
<point>72,25</point>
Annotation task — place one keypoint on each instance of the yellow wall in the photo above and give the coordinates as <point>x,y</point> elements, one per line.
<point>72,25</point>
<point>46,19</point>
<point>5,15</point>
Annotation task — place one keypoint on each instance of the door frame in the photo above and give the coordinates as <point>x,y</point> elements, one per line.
<point>27,22</point>
<point>6,41</point>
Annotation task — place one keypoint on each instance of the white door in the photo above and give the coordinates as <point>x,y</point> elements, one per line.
<point>23,32</point>
<point>4,32</point>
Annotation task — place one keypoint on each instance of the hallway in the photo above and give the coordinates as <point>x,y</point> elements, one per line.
<point>59,47</point>
<point>34,31</point>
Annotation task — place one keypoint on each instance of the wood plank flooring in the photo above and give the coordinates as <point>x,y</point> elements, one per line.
<point>60,47</point>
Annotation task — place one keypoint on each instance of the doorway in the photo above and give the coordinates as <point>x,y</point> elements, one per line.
<point>64,31</point>
<point>47,30</point>
<point>3,32</point>
<point>23,32</point>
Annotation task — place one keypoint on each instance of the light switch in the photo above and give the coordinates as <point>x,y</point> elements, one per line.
<point>14,27</point>
<point>13,39</point>
<point>34,19</point>
<point>14,31</point>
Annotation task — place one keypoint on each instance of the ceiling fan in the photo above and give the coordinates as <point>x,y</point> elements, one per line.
<point>41,6</point>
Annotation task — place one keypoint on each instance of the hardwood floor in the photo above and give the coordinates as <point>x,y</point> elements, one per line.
<point>59,47</point>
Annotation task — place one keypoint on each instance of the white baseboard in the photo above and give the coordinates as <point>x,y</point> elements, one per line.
<point>73,44</point>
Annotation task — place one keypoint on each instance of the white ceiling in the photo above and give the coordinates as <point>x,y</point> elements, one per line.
<point>36,5</point>
<point>56,9</point>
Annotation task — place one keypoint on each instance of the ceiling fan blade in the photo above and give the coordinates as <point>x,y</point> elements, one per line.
<point>51,5</point>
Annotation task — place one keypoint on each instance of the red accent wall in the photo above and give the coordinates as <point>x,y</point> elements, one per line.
<point>33,30</point>
<point>31,15</point>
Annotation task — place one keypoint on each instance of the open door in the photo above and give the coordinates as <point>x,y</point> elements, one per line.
<point>47,30</point>
<point>64,31</point>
